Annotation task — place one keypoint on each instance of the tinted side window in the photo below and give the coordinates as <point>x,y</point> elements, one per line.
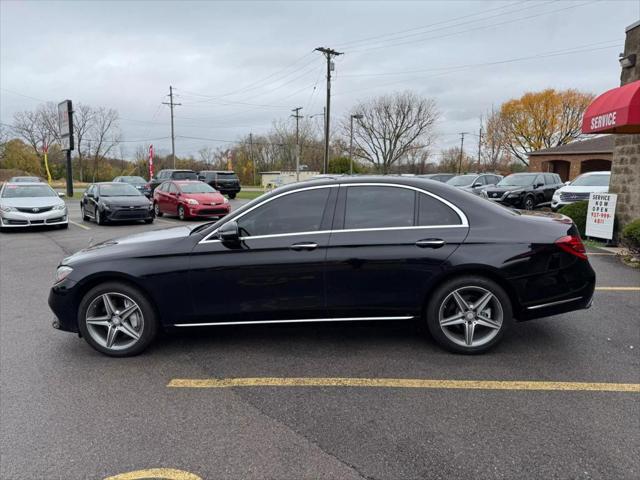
<point>296,212</point>
<point>482,180</point>
<point>549,179</point>
<point>539,180</point>
<point>434,212</point>
<point>173,188</point>
<point>379,207</point>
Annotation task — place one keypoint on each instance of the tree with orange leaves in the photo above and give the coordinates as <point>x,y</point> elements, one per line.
<point>545,119</point>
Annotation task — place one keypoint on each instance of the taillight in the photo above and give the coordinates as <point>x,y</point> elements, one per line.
<point>572,244</point>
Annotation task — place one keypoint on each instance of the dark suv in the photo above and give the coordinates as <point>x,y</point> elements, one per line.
<point>525,190</point>
<point>224,181</point>
<point>171,174</point>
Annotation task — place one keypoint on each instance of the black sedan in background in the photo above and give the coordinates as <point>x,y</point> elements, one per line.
<point>138,182</point>
<point>524,190</point>
<point>347,249</point>
<point>114,201</point>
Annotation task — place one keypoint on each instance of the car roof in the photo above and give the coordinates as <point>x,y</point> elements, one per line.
<point>23,184</point>
<point>217,171</point>
<point>180,182</point>
<point>604,172</point>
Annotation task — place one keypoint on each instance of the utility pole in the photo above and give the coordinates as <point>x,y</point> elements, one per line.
<point>329,53</point>
<point>479,148</point>
<point>172,104</point>
<point>297,116</point>
<point>253,162</point>
<point>462,134</point>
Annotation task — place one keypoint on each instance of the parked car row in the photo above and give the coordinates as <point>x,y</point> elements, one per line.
<point>225,182</point>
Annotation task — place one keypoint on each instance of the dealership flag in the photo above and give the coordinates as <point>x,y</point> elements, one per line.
<point>150,162</point>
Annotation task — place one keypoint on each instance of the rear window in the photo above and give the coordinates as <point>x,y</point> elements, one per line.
<point>434,212</point>
<point>184,176</point>
<point>227,176</point>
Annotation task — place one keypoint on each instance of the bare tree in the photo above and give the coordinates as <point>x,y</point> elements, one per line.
<point>83,117</point>
<point>206,155</point>
<point>392,125</point>
<point>104,135</point>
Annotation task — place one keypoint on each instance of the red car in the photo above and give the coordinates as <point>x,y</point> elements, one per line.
<point>189,199</point>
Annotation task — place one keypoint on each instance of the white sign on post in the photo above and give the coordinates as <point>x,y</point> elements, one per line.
<point>601,215</point>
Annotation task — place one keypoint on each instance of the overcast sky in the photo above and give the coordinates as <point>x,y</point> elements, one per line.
<point>238,66</point>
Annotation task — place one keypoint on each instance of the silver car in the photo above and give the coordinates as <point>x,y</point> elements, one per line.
<point>27,204</point>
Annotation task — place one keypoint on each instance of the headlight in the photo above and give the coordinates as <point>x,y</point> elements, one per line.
<point>192,201</point>
<point>62,206</point>
<point>515,194</point>
<point>105,207</point>
<point>483,193</point>
<point>62,272</point>
<point>7,208</point>
<point>225,200</point>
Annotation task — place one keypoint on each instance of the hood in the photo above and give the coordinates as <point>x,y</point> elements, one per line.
<point>211,197</point>
<point>582,189</point>
<point>137,200</point>
<point>506,188</point>
<point>139,244</point>
<point>28,202</point>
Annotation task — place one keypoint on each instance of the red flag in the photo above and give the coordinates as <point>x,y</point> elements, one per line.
<point>150,162</point>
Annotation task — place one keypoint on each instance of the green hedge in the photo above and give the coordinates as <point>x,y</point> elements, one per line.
<point>578,213</point>
<point>631,236</point>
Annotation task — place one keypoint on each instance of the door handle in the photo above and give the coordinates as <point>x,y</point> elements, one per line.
<point>304,246</point>
<point>430,243</point>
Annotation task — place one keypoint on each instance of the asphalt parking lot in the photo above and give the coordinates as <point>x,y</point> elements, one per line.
<point>67,412</point>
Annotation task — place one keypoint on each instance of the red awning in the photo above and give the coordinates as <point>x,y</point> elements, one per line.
<point>615,111</point>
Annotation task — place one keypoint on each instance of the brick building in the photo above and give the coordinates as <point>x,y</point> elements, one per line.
<point>569,161</point>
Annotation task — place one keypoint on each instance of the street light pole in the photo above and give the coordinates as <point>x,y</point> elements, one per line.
<point>357,117</point>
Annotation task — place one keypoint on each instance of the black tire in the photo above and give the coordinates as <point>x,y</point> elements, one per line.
<point>529,203</point>
<point>85,217</point>
<point>232,196</point>
<point>150,325</point>
<point>148,221</point>
<point>181,215</point>
<point>99,219</point>
<point>442,295</point>
<point>156,209</point>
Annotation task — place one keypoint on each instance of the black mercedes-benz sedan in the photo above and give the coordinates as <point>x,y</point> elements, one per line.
<point>345,249</point>
<point>113,202</point>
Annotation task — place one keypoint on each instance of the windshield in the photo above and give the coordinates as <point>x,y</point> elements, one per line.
<point>516,181</point>
<point>462,180</point>
<point>28,191</point>
<point>591,181</point>
<point>198,187</point>
<point>133,179</point>
<point>118,190</point>
<point>184,176</point>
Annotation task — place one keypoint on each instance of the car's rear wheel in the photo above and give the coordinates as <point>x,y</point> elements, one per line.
<point>156,209</point>
<point>469,314</point>
<point>232,196</point>
<point>181,213</point>
<point>529,203</point>
<point>117,319</point>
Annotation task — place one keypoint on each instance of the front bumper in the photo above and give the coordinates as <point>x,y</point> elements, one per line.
<point>218,210</point>
<point>115,214</point>
<point>64,306</point>
<point>515,202</point>
<point>22,219</point>
<point>558,204</point>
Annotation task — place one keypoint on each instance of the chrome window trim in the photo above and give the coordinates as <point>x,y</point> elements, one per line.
<point>302,320</point>
<point>463,218</point>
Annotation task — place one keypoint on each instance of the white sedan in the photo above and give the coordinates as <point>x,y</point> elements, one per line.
<point>30,204</point>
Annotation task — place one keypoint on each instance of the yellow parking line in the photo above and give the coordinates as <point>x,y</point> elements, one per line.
<point>401,383</point>
<point>619,289</point>
<point>79,225</point>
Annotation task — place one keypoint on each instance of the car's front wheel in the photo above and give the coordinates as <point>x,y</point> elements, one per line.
<point>181,212</point>
<point>100,220</point>
<point>529,203</point>
<point>469,314</point>
<point>232,196</point>
<point>117,319</point>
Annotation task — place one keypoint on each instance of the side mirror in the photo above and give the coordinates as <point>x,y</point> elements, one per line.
<point>62,195</point>
<point>90,195</point>
<point>538,185</point>
<point>477,184</point>
<point>229,232</point>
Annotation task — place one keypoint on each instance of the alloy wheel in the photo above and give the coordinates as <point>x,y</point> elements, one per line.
<point>470,316</point>
<point>114,321</point>
<point>528,203</point>
<point>156,209</point>
<point>181,212</point>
